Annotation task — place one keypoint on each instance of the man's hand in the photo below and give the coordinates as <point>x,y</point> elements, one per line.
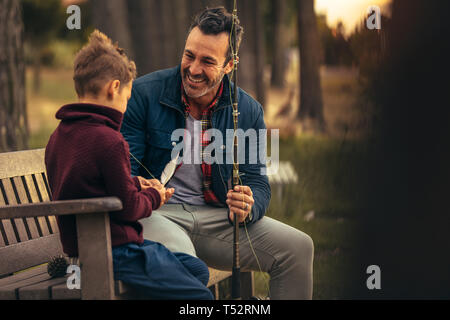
<point>240,201</point>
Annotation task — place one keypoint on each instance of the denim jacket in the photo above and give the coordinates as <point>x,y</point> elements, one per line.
<point>155,110</point>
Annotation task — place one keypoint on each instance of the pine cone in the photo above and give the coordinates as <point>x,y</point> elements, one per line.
<point>57,267</point>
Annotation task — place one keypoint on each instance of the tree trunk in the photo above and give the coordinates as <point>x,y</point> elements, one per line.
<point>168,34</point>
<point>279,59</point>
<point>311,105</point>
<point>181,25</point>
<point>111,18</point>
<point>37,71</point>
<point>154,27</point>
<point>141,15</point>
<point>13,115</point>
<point>159,30</point>
<point>195,6</point>
<point>251,52</point>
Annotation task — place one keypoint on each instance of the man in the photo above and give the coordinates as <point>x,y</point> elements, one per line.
<point>196,97</point>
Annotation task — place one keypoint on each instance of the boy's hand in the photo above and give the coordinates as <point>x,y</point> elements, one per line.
<point>144,183</point>
<point>169,193</point>
<point>148,183</point>
<point>155,183</point>
<point>164,193</point>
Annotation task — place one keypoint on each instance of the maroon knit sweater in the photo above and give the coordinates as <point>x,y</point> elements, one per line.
<point>87,157</point>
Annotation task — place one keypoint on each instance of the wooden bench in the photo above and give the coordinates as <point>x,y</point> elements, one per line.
<point>29,238</point>
<point>285,175</point>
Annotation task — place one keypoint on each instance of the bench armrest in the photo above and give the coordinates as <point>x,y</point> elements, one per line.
<point>93,233</point>
<point>62,207</point>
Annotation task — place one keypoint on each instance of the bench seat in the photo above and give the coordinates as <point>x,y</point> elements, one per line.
<point>29,238</point>
<point>36,284</point>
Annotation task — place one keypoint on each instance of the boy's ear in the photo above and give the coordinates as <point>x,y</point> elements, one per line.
<point>112,88</point>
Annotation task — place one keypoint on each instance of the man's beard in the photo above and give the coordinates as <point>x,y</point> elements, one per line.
<point>210,85</point>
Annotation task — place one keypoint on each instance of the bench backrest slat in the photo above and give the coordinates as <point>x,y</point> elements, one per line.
<point>28,254</point>
<point>41,185</point>
<point>2,241</point>
<point>23,180</point>
<point>21,163</point>
<point>29,194</point>
<point>13,196</point>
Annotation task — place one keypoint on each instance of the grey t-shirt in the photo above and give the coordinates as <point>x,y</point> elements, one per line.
<point>188,179</point>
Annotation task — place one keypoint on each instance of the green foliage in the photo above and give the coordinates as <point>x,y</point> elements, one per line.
<point>335,47</point>
<point>42,20</point>
<point>290,20</point>
<point>369,46</point>
<point>329,172</point>
<point>47,38</point>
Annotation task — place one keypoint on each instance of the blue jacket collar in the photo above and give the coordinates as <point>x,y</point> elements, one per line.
<point>171,95</point>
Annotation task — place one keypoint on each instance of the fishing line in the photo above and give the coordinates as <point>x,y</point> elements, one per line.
<point>143,166</point>
<point>266,282</point>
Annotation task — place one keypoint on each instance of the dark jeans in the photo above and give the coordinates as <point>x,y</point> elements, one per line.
<point>157,273</point>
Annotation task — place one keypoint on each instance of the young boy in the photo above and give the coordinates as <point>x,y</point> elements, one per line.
<point>87,157</point>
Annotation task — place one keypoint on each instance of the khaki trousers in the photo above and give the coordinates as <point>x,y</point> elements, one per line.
<point>204,231</point>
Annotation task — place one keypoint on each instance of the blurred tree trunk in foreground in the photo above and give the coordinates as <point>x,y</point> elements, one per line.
<point>311,106</point>
<point>13,115</point>
<point>406,224</point>
<point>279,45</point>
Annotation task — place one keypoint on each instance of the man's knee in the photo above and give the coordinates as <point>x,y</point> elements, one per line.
<point>160,229</point>
<point>301,246</point>
<point>308,246</point>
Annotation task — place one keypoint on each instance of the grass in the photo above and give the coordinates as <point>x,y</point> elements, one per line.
<point>331,175</point>
<point>56,90</point>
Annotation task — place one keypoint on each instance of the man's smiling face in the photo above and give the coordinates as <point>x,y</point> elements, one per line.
<point>202,65</point>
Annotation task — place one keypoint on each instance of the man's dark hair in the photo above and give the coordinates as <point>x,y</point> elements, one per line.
<point>215,21</point>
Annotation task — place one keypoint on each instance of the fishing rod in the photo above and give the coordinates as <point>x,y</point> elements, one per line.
<point>236,271</point>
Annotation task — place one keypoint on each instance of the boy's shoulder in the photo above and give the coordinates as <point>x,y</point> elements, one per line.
<point>89,123</point>
<point>104,137</point>
<point>91,137</point>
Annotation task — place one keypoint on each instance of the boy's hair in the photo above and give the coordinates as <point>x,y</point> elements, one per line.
<point>98,62</point>
<point>217,20</point>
